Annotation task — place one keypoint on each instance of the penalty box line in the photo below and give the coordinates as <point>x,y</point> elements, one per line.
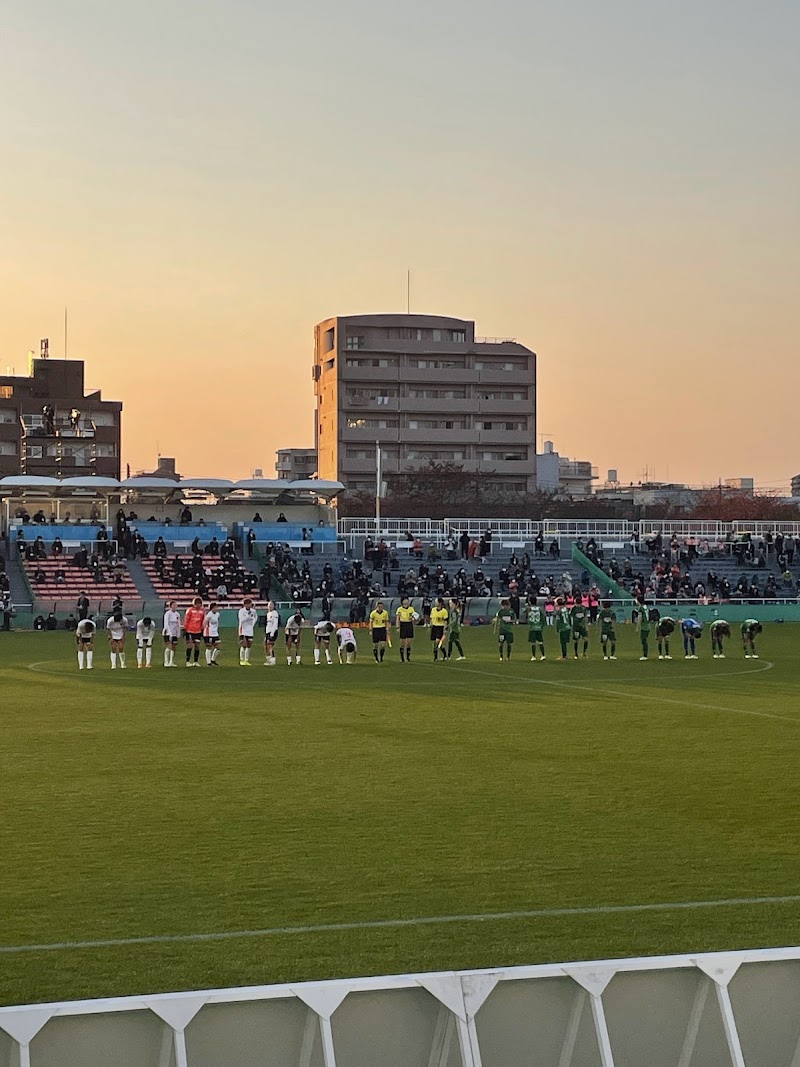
<point>389,924</point>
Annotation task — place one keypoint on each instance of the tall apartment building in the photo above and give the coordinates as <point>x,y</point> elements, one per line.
<point>50,426</point>
<point>425,387</point>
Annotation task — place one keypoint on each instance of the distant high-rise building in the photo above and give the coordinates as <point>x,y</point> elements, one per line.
<point>426,388</point>
<point>49,425</point>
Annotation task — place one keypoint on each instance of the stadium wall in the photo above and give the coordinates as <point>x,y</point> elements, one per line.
<point>717,1009</point>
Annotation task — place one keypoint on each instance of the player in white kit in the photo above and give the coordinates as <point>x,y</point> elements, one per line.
<point>346,641</point>
<point>145,632</point>
<point>271,629</point>
<point>322,640</point>
<point>293,631</point>
<point>117,627</point>
<point>84,635</point>
<point>248,618</point>
<point>172,633</point>
<point>211,634</point>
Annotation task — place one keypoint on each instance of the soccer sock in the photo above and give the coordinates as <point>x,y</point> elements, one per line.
<point>375,654</point>
<point>89,658</point>
<point>585,647</point>
<point>297,657</point>
<point>241,653</point>
<point>188,653</point>
<point>247,655</point>
<point>645,646</point>
<point>148,656</point>
<point>316,654</point>
<point>122,659</point>
<point>196,654</point>
<point>500,650</point>
<point>508,651</point>
<point>666,648</point>
<point>139,656</point>
<point>214,654</point>
<point>208,655</point>
<point>167,656</point>
<point>80,661</point>
<point>402,654</point>
<point>435,651</point>
<point>328,656</point>
<point>382,654</point>
<point>350,657</point>
<point>613,649</point>
<point>113,661</point>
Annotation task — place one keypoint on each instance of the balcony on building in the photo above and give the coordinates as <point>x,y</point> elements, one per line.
<point>35,426</point>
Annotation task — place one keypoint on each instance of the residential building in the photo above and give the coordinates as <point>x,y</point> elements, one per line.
<point>50,426</point>
<point>568,477</point>
<point>294,464</point>
<point>425,388</point>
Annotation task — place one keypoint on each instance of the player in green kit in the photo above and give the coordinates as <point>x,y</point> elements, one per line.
<point>665,628</point>
<point>643,626</point>
<point>751,628</point>
<point>563,625</point>
<point>535,629</point>
<point>453,631</point>
<point>504,622</point>
<point>580,620</point>
<point>719,630</point>
<point>608,633</point>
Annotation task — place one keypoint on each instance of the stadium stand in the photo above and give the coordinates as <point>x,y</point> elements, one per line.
<point>62,580</point>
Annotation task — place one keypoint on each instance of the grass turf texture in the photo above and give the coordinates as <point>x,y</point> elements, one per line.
<point>139,803</point>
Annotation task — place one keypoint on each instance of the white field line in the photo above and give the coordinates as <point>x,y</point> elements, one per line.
<point>388,924</point>
<point>767,666</point>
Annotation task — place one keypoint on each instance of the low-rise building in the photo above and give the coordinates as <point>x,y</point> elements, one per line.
<point>294,464</point>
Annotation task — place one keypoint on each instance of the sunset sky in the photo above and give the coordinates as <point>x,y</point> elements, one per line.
<point>617,185</point>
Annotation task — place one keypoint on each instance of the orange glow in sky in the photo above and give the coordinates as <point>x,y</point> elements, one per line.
<point>615,185</point>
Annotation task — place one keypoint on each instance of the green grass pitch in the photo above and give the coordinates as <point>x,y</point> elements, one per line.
<point>147,803</point>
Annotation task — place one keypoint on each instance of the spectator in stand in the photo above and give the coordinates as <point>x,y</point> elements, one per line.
<point>251,540</point>
<point>555,550</point>
<point>39,576</point>
<point>464,543</point>
<point>185,516</point>
<point>212,548</point>
<point>417,548</point>
<point>82,607</point>
<point>789,547</point>
<point>281,518</point>
<point>57,548</point>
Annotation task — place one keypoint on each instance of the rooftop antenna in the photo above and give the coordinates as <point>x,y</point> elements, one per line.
<point>65,331</point>
<point>408,291</point>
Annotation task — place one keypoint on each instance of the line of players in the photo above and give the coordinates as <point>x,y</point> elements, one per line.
<point>572,626</point>
<point>201,629</point>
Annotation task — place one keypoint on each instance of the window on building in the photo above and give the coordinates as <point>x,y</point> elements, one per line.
<point>440,455</point>
<point>7,417</point>
<point>102,418</point>
<point>8,448</point>
<point>329,364</point>
<point>437,335</point>
<point>35,452</point>
<point>6,392</point>
<point>106,451</point>
<point>489,457</point>
<point>354,341</point>
<point>329,340</point>
<point>459,336</point>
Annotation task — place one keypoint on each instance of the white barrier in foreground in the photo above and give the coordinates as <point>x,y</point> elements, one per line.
<point>737,1009</point>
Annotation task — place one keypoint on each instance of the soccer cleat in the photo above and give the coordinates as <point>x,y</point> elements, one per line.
<point>605,657</point>
<point>754,656</point>
<point>660,656</point>
<point>642,658</point>
<point>612,657</point>
<point>721,655</point>
<point>459,658</point>
<point>533,659</point>
<point>188,664</point>
<point>667,657</point>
